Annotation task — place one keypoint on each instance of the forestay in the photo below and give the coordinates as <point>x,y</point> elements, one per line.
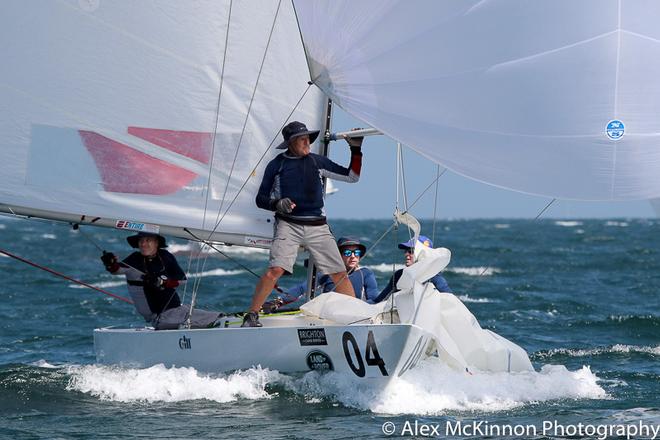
<point>558,98</point>
<point>140,111</point>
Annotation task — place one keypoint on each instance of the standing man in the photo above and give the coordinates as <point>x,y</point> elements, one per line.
<point>292,187</point>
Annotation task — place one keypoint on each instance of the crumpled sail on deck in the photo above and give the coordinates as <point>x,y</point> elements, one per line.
<point>459,340</point>
<point>558,98</point>
<point>154,112</point>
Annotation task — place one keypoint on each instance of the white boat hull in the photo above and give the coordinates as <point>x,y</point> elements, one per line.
<point>286,343</point>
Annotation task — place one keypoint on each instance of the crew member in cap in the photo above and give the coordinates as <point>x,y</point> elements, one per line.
<point>408,248</point>
<point>362,279</point>
<point>292,187</point>
<point>153,274</point>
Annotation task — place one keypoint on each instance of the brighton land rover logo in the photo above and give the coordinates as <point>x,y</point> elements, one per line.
<point>615,129</point>
<point>312,336</point>
<point>319,361</point>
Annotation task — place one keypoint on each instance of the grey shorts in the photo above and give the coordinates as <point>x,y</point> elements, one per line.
<point>318,241</point>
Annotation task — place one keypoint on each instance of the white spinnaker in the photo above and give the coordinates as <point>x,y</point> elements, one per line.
<point>515,93</point>
<point>108,108</point>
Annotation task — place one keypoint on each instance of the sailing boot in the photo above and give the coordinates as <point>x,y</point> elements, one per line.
<point>251,319</point>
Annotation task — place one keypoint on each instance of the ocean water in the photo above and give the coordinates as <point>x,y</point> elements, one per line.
<point>582,297</point>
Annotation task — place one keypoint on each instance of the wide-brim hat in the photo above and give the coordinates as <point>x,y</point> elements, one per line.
<point>295,129</point>
<point>134,240</point>
<point>410,244</point>
<point>350,241</point>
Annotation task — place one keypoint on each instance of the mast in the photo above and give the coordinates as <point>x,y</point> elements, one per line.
<point>325,144</point>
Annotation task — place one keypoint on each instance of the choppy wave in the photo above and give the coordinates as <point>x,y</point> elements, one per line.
<point>207,273</point>
<point>216,273</point>
<point>385,267</point>
<point>568,223</point>
<point>188,248</point>
<point>471,271</point>
<point>160,384</point>
<point>598,351</point>
<point>49,236</point>
<point>474,271</point>
<point>101,284</point>
<point>429,389</point>
<point>619,224</point>
<point>469,299</point>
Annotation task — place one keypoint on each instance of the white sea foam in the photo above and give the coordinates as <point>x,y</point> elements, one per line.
<point>216,273</point>
<point>429,389</point>
<point>617,348</point>
<point>474,271</point>
<point>2,226</point>
<point>502,226</point>
<point>187,248</point>
<point>385,267</point>
<point>619,224</point>
<point>122,281</point>
<point>160,384</point>
<point>42,363</point>
<point>49,236</point>
<point>242,250</point>
<point>468,299</point>
<point>176,248</point>
<point>101,285</point>
<point>432,389</point>
<point>568,224</point>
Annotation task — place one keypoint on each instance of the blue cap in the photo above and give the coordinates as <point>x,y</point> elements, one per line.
<point>411,244</point>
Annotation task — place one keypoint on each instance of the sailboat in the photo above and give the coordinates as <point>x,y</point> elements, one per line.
<point>161,117</point>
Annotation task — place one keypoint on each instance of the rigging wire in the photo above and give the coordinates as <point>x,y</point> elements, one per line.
<point>435,203</point>
<point>61,275</point>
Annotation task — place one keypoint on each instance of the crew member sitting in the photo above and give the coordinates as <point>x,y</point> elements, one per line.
<point>153,275</point>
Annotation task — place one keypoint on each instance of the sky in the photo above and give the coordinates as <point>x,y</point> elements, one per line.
<point>458,197</point>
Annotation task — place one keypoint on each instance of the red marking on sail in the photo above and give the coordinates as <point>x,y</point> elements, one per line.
<point>192,144</point>
<point>126,170</point>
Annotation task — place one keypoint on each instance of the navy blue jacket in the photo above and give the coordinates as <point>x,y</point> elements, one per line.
<point>299,179</point>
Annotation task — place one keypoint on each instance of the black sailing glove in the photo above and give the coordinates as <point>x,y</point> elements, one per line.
<point>356,144</point>
<point>109,261</point>
<point>284,206</point>
<point>152,280</point>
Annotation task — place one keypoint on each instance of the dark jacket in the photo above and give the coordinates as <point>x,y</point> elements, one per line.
<point>299,179</point>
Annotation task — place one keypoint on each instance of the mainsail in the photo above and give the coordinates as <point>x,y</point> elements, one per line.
<point>155,112</point>
<point>552,97</point>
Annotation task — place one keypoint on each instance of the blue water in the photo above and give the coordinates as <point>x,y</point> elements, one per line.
<point>582,297</point>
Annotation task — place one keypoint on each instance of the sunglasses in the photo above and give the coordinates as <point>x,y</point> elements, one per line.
<point>349,252</point>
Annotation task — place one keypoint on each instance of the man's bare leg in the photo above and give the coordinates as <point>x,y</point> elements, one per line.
<point>265,285</point>
<point>342,283</point>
